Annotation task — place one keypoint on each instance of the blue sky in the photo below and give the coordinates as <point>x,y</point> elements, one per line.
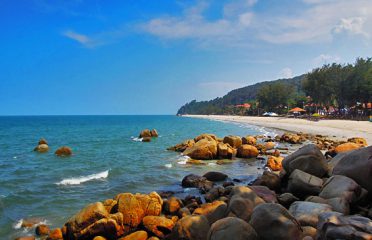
<point>150,57</point>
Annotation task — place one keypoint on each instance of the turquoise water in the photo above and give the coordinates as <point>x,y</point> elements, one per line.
<point>53,189</point>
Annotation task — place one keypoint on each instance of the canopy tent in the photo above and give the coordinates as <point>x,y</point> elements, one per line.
<point>297,109</point>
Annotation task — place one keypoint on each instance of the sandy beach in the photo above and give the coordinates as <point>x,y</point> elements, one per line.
<point>339,129</point>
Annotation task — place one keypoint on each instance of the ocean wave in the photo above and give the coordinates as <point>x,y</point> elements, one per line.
<point>168,165</point>
<point>19,223</point>
<point>82,179</point>
<point>183,159</point>
<point>136,139</point>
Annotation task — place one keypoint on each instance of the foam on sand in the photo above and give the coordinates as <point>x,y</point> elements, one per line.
<point>82,179</point>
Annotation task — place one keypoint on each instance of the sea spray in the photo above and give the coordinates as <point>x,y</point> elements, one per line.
<point>82,179</point>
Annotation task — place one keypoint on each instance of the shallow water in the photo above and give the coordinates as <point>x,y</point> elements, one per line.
<point>106,161</point>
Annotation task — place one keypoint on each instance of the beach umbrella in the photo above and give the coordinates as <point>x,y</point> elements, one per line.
<point>297,109</point>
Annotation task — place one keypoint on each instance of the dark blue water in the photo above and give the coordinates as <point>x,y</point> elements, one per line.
<point>52,188</point>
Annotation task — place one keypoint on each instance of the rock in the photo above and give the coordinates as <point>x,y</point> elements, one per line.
<point>26,238</point>
<point>196,162</point>
<point>196,181</point>
<point>42,229</point>
<point>135,207</point>
<point>225,151</point>
<point>286,199</point>
<point>340,205</point>
<point>358,140</point>
<point>110,204</point>
<point>182,146</point>
<point>160,226</point>
<point>138,235</point>
<point>42,148</point>
<point>233,141</point>
<point>215,176</point>
<point>339,186</point>
<point>290,138</point>
<point>273,221</point>
<point>316,199</point>
<point>275,163</point>
<point>214,194</point>
<point>183,212</point>
<point>336,226</point>
<point>146,139</point>
<point>270,180</point>
<point>346,147</point>
<point>145,133</point>
<point>249,140</point>
<point>194,227</point>
<point>63,151</point>
<point>43,141</point>
<point>55,234</point>
<point>110,228</point>
<point>154,133</point>
<point>301,183</point>
<point>309,232</point>
<point>242,202</point>
<point>265,193</point>
<point>308,159</point>
<point>307,212</point>
<point>207,136</point>
<point>231,228</point>
<point>357,165</point>
<point>212,211</point>
<point>153,238</point>
<point>202,150</point>
<point>247,151</point>
<point>173,205</point>
<point>31,222</point>
<point>270,145</point>
<point>99,238</point>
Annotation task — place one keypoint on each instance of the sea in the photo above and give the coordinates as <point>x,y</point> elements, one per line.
<point>108,158</point>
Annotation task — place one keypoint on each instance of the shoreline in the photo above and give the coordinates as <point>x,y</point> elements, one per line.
<point>337,129</point>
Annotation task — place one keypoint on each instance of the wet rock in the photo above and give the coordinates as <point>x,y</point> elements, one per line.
<point>160,226</point>
<point>182,146</point>
<point>275,163</point>
<point>154,133</point>
<point>250,140</point>
<point>55,234</point>
<point>265,193</point>
<point>307,212</point>
<point>63,151</point>
<point>308,159</point>
<point>357,165</point>
<point>145,133</point>
<point>273,221</point>
<point>42,141</point>
<point>233,141</point>
<point>346,147</point>
<point>42,148</point>
<point>270,180</point>
<point>212,211</point>
<point>247,151</point>
<point>173,205</point>
<point>146,139</point>
<point>231,228</point>
<point>225,151</point>
<point>202,150</point>
<point>207,136</point>
<point>31,222</point>
<point>301,183</point>
<point>138,235</point>
<point>42,229</point>
<point>270,145</point>
<point>286,199</point>
<point>196,181</point>
<point>358,140</point>
<point>214,194</point>
<point>194,227</point>
<point>291,138</point>
<point>339,186</point>
<point>215,176</point>
<point>110,204</point>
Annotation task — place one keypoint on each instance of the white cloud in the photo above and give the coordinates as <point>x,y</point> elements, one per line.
<point>325,59</point>
<point>80,38</point>
<point>353,25</point>
<point>286,73</point>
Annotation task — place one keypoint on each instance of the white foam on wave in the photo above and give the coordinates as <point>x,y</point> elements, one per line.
<point>136,139</point>
<point>212,164</point>
<point>169,165</point>
<point>183,159</point>
<point>18,224</point>
<point>15,157</point>
<point>82,179</point>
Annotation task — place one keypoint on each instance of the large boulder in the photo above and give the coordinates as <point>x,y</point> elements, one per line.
<point>249,140</point>
<point>265,193</point>
<point>270,180</point>
<point>204,149</point>
<point>195,181</point>
<point>154,133</point>
<point>182,146</point>
<point>233,141</point>
<point>63,151</point>
<point>145,133</point>
<point>55,234</point>
<point>346,147</point>
<point>247,151</point>
<point>212,211</point>
<point>160,226</point>
<point>225,151</point>
<point>232,228</point>
<point>286,199</point>
<point>308,159</point>
<point>193,227</point>
<point>42,230</point>
<point>339,186</point>
<point>336,226</point>
<point>302,184</point>
<point>138,235</point>
<point>172,205</point>
<point>307,213</point>
<point>357,165</point>
<point>42,148</point>
<point>273,221</point>
<point>275,163</point>
<point>215,176</point>
<point>242,202</point>
<point>207,136</point>
<point>135,207</point>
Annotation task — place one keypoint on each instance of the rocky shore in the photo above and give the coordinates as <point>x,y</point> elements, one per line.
<point>323,190</point>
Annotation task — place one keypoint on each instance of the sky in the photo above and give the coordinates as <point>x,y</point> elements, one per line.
<point>72,57</point>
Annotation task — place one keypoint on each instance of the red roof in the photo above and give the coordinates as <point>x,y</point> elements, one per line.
<point>245,105</point>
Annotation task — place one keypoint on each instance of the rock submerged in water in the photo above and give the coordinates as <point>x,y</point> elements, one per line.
<point>63,151</point>
<point>204,149</point>
<point>247,151</point>
<point>42,146</point>
<point>147,133</point>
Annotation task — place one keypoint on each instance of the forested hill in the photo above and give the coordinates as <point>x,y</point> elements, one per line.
<point>238,96</point>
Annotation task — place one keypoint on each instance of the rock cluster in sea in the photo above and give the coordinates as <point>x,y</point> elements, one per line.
<point>146,135</point>
<point>43,147</point>
<point>310,196</point>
